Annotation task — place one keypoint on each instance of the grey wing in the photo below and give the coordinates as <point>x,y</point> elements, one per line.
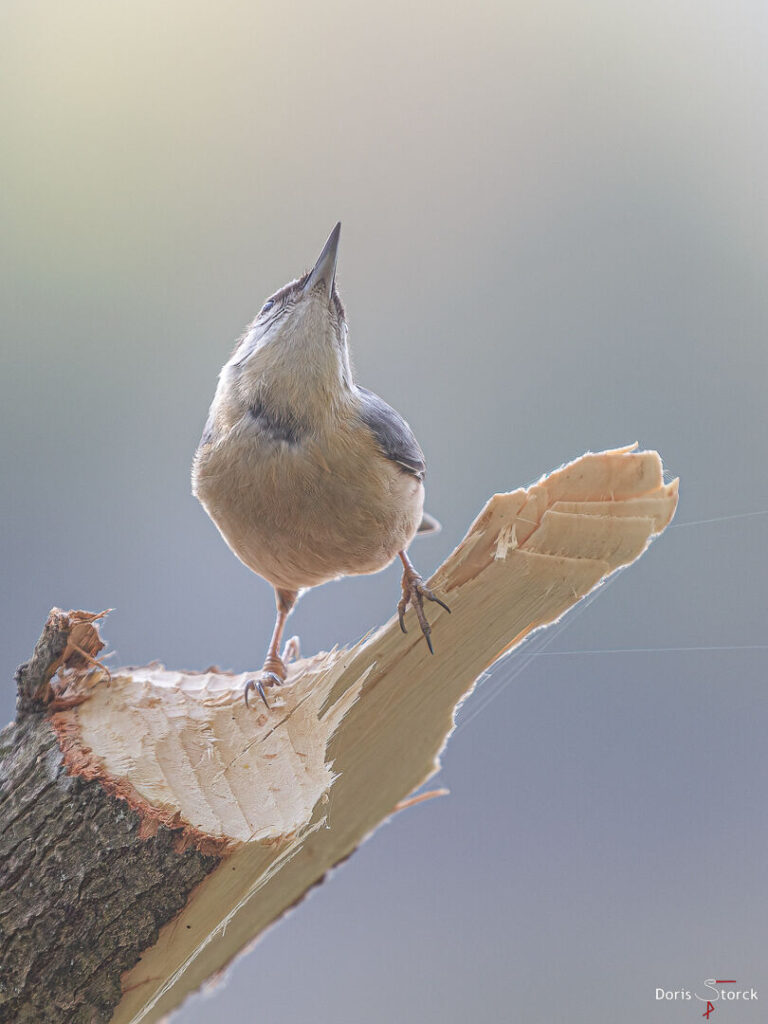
<point>208,430</point>
<point>392,434</point>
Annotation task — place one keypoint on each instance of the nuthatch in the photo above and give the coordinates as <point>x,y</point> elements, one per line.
<point>307,475</point>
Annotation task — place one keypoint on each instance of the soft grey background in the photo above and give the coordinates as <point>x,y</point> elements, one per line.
<point>554,240</point>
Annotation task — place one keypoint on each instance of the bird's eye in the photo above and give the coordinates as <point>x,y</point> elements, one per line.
<point>267,305</point>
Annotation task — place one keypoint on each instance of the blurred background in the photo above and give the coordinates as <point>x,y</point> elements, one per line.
<point>554,239</point>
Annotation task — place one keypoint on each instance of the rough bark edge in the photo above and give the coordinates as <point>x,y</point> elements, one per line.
<point>55,679</point>
<point>69,641</point>
<point>80,761</point>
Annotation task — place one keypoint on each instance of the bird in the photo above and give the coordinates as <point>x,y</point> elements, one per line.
<point>307,475</point>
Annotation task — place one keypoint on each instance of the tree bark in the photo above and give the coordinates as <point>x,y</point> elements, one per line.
<point>153,826</point>
<point>82,895</point>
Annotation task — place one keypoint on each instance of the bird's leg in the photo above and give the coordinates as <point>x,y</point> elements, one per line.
<point>273,673</point>
<point>414,592</point>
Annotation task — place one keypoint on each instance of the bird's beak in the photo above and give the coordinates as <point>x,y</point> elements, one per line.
<point>325,268</point>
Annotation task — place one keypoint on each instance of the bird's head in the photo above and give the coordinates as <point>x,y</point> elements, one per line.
<point>297,345</point>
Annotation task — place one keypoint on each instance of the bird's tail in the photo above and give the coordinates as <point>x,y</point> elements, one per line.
<point>428,524</point>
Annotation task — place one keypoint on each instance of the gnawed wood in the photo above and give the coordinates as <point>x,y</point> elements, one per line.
<point>282,796</point>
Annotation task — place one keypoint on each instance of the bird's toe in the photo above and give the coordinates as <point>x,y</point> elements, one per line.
<point>265,680</point>
<point>414,594</point>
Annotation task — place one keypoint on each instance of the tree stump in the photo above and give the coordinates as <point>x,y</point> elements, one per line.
<point>153,826</point>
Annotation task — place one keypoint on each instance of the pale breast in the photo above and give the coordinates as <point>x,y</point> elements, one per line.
<point>300,514</point>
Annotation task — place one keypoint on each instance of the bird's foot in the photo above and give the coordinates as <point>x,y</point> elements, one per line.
<point>414,593</point>
<point>273,674</point>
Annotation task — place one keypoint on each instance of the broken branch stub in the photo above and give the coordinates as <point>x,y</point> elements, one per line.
<point>280,797</point>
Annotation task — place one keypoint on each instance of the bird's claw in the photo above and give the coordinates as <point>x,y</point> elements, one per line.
<point>266,679</point>
<point>414,593</point>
